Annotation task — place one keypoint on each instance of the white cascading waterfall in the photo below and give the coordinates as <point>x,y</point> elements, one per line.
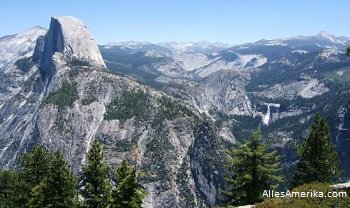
<point>266,118</point>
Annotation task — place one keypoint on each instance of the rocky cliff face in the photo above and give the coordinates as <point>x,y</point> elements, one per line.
<point>57,91</point>
<point>73,99</point>
<point>223,91</point>
<point>15,61</point>
<point>69,37</point>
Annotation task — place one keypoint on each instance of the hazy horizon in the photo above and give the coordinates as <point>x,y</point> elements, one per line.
<point>158,21</point>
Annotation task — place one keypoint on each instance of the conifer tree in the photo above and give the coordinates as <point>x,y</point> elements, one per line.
<point>96,185</point>
<point>35,166</point>
<point>127,192</point>
<point>348,51</point>
<point>12,193</point>
<point>318,161</point>
<point>252,169</point>
<point>58,189</point>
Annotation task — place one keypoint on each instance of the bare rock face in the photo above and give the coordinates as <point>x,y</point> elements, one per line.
<point>15,57</point>
<point>70,37</point>
<point>18,46</point>
<point>224,91</point>
<point>81,101</point>
<point>307,88</point>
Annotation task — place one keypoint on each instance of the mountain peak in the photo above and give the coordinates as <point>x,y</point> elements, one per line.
<point>69,36</point>
<point>324,34</point>
<point>33,30</point>
<point>332,38</point>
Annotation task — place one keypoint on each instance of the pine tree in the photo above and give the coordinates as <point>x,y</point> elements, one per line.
<point>35,166</point>
<point>58,189</point>
<point>95,182</point>
<point>12,193</point>
<point>252,169</point>
<point>318,161</point>
<point>348,51</point>
<point>127,192</point>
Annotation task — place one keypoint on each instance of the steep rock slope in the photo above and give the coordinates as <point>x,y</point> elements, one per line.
<point>70,37</point>
<point>73,99</point>
<point>16,52</point>
<point>224,92</point>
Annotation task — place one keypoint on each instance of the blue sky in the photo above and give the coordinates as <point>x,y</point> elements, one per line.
<point>229,21</point>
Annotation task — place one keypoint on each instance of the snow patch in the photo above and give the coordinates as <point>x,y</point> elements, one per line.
<point>300,51</point>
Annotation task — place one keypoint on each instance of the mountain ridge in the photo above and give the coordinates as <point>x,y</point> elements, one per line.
<point>69,36</point>
<point>80,101</point>
<point>179,111</point>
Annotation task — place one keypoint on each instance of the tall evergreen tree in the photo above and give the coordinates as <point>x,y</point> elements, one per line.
<point>35,166</point>
<point>348,51</point>
<point>58,189</point>
<point>127,192</point>
<point>17,187</point>
<point>252,169</point>
<point>12,193</point>
<point>318,161</point>
<point>96,186</point>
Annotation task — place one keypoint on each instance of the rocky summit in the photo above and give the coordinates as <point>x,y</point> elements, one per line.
<point>170,109</point>
<point>69,37</point>
<point>66,97</point>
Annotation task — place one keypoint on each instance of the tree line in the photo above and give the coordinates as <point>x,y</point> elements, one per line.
<point>253,168</point>
<point>46,180</point>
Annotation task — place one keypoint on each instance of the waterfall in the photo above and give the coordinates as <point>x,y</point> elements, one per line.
<point>266,118</point>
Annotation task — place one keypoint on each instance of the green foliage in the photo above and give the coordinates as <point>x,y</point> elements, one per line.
<point>79,62</point>
<point>88,100</point>
<point>169,109</point>
<point>307,202</point>
<point>58,189</point>
<point>65,96</point>
<point>156,151</point>
<point>249,124</point>
<point>17,187</point>
<point>252,169</point>
<point>24,64</point>
<point>127,193</point>
<point>37,84</point>
<point>341,76</point>
<point>125,64</point>
<point>348,51</point>
<point>46,180</point>
<point>158,148</point>
<point>96,184</point>
<point>33,83</point>
<point>273,73</point>
<point>318,161</point>
<point>12,193</point>
<point>35,166</point>
<point>43,180</point>
<point>183,178</point>
<point>130,104</point>
<point>122,145</point>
